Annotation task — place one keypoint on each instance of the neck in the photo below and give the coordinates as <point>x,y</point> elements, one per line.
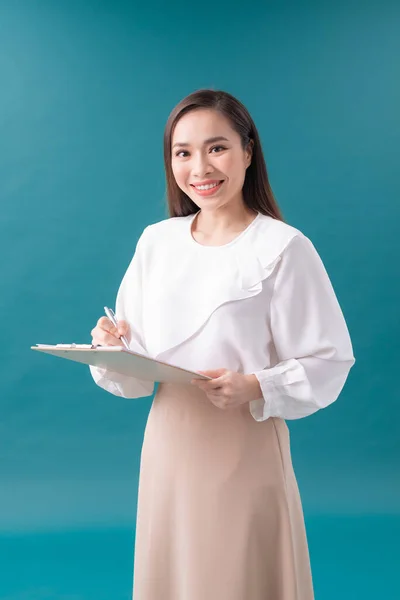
<point>224,220</point>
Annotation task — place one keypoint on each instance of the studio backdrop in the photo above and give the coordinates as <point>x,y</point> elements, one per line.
<point>85,92</point>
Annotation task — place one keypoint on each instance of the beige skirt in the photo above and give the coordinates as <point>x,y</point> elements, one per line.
<point>219,511</point>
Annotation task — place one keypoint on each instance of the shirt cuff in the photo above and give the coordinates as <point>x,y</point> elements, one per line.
<point>274,384</point>
<point>265,407</point>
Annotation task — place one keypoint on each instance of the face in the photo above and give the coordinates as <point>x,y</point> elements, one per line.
<point>206,150</point>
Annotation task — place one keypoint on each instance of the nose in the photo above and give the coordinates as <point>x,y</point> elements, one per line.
<point>201,165</point>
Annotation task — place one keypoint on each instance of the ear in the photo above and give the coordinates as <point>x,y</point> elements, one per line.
<point>249,153</point>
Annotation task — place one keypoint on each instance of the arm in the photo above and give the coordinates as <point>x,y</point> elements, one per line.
<point>311,339</point>
<point>128,308</point>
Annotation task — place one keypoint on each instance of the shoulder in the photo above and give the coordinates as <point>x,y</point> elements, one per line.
<point>273,237</point>
<point>165,229</point>
<point>290,247</point>
<point>167,226</point>
<point>279,229</point>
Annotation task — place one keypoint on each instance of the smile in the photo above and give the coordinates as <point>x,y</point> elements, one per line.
<point>207,190</point>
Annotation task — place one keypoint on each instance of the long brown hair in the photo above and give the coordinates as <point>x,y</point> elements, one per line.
<point>257,192</point>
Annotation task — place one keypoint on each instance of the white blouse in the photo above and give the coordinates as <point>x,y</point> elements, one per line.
<point>261,304</point>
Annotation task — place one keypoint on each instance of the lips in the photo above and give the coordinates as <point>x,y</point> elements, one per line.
<point>210,191</point>
<point>208,182</point>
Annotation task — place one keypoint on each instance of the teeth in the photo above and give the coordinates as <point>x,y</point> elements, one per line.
<point>206,187</point>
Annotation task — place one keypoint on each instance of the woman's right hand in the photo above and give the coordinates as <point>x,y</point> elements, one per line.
<point>106,334</point>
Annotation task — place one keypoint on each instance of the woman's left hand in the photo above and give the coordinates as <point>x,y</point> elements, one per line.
<point>228,389</point>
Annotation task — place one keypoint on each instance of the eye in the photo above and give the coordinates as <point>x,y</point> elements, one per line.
<point>179,152</point>
<point>222,147</point>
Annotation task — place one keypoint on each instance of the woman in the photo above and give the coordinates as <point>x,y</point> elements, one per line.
<point>226,287</point>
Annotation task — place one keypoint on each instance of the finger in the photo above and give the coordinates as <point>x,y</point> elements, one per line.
<point>102,338</point>
<point>110,340</point>
<point>216,393</point>
<point>123,328</point>
<point>218,401</point>
<point>214,373</point>
<point>105,324</point>
<point>212,384</point>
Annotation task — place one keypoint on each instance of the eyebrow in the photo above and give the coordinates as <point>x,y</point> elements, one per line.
<point>218,138</point>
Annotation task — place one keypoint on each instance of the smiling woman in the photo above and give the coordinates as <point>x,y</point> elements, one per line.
<point>204,169</point>
<point>226,287</point>
<point>209,138</point>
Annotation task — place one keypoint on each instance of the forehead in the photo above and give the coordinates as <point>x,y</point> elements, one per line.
<point>200,124</point>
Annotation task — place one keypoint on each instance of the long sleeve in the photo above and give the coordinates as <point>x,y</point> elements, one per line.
<point>310,336</point>
<point>128,308</point>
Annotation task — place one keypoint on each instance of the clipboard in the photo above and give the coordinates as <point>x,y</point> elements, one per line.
<point>121,360</point>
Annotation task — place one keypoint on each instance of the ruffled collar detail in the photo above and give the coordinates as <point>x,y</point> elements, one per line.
<point>185,283</point>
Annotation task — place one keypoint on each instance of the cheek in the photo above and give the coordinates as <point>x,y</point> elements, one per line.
<point>228,166</point>
<point>180,173</point>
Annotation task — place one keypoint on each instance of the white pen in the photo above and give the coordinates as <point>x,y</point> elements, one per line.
<point>111,315</point>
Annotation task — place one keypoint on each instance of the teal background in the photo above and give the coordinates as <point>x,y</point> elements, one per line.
<point>85,91</point>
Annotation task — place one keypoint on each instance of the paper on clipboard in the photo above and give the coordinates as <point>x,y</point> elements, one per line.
<point>121,360</point>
